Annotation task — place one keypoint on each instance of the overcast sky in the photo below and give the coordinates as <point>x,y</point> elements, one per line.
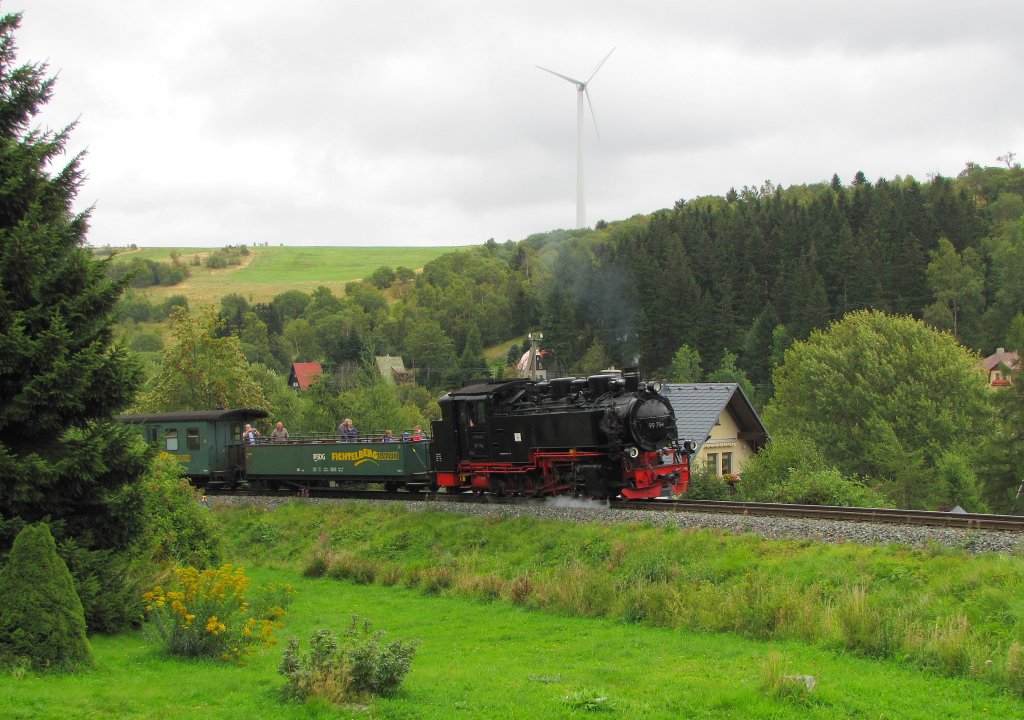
<point>322,122</point>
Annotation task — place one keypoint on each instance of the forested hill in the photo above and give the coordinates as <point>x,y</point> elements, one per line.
<point>735,279</point>
<point>755,269</point>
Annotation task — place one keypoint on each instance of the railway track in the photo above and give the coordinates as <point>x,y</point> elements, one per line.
<point>977,521</point>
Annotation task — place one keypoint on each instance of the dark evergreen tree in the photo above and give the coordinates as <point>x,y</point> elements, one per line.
<point>472,364</point>
<point>62,457</point>
<point>809,309</point>
<point>233,308</point>
<point>756,357</point>
<point>41,616</point>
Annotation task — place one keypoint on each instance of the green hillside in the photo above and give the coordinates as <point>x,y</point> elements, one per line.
<point>268,271</point>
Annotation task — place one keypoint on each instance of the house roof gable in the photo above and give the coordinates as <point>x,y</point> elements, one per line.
<point>305,372</point>
<point>699,405</point>
<point>1001,357</point>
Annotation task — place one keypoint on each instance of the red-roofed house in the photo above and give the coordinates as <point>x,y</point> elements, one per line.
<point>998,366</point>
<point>303,374</point>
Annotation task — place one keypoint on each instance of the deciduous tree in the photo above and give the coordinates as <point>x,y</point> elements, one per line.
<point>888,398</point>
<point>201,371</point>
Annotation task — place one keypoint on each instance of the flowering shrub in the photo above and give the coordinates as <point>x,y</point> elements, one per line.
<point>208,613</point>
<point>361,663</point>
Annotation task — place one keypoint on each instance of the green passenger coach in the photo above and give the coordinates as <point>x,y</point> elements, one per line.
<point>207,443</point>
<point>211,450</point>
<point>314,463</point>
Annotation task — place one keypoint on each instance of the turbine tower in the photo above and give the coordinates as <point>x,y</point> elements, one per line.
<point>581,90</point>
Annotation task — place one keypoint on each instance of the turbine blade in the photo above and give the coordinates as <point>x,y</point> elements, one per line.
<point>599,65</point>
<point>574,81</point>
<point>592,115</point>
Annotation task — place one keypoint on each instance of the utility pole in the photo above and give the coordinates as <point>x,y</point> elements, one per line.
<point>534,343</point>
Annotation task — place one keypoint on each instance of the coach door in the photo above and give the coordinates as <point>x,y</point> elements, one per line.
<point>236,450</point>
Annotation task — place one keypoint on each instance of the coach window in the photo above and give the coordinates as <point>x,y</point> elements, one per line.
<point>171,440</point>
<point>713,462</point>
<point>236,432</point>
<point>192,438</point>
<point>727,463</point>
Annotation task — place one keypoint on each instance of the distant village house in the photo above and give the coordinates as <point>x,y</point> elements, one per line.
<point>303,374</point>
<point>998,367</point>
<point>392,369</point>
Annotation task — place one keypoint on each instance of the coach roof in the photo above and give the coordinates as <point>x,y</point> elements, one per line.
<point>195,416</point>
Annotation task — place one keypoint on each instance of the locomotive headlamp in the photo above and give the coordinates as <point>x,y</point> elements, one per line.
<point>633,452</point>
<point>654,387</point>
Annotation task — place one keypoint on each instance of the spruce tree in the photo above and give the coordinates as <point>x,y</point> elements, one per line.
<point>62,457</point>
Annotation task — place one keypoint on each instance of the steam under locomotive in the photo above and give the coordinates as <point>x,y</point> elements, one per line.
<point>602,436</point>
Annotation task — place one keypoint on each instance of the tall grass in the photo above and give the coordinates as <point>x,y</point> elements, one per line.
<point>940,609</point>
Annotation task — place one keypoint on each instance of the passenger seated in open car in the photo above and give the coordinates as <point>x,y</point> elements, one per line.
<point>347,433</point>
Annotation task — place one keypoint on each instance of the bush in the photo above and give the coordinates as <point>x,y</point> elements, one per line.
<point>208,614</point>
<point>217,260</point>
<point>706,484</point>
<point>147,341</point>
<point>362,663</point>
<point>168,305</point>
<point>42,622</point>
<point>383,277</point>
<point>177,530</point>
<point>106,586</point>
<point>792,469</point>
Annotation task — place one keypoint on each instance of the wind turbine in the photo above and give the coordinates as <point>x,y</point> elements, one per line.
<point>581,90</point>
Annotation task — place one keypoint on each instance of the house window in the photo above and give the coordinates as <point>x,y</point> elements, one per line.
<point>171,440</point>
<point>713,462</point>
<point>726,463</point>
<point>192,438</point>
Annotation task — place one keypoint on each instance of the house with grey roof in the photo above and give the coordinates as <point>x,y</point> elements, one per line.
<point>719,418</point>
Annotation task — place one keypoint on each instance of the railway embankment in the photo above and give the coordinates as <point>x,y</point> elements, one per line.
<point>780,528</point>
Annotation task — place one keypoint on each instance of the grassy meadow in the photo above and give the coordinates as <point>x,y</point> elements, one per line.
<point>942,610</point>
<point>489,659</point>
<point>268,271</point>
<point>520,617</point>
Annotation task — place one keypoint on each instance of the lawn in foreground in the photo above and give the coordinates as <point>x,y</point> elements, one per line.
<point>490,660</point>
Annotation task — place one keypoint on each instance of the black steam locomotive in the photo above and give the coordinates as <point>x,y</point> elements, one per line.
<point>601,436</point>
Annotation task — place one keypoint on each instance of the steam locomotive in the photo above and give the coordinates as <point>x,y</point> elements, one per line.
<point>602,436</point>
